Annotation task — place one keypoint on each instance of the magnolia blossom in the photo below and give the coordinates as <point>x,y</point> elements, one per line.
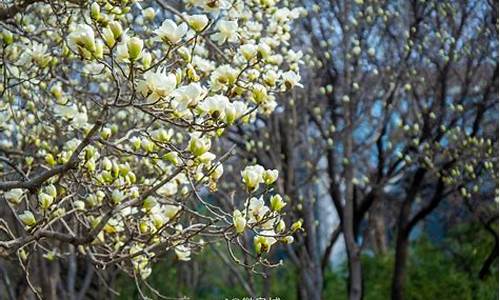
<point>117,196</point>
<point>198,145</point>
<point>252,176</point>
<point>264,240</point>
<point>291,79</point>
<point>157,85</point>
<point>149,13</point>
<point>227,31</point>
<point>277,203</point>
<point>197,22</point>
<point>257,209</point>
<point>270,176</point>
<point>248,51</point>
<point>27,218</point>
<point>14,196</point>
<point>223,76</point>
<point>171,211</point>
<point>188,96</point>
<point>82,40</point>
<point>234,111</point>
<point>215,106</point>
<point>45,200</point>
<point>183,253</point>
<point>239,221</point>
<point>169,31</point>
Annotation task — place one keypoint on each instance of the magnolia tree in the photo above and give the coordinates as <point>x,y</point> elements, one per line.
<point>111,111</point>
<point>398,117</point>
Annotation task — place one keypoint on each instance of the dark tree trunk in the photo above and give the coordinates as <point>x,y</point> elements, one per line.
<point>399,276</point>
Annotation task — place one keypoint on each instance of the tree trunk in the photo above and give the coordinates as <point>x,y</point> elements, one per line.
<point>355,270</point>
<point>399,275</point>
<point>402,241</point>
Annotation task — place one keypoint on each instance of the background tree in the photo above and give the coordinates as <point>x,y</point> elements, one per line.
<point>399,112</point>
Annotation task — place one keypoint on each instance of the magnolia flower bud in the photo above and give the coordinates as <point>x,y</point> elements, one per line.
<point>109,37</point>
<point>144,227</point>
<point>99,49</point>
<point>239,221</point>
<point>356,51</point>
<point>49,158</point>
<point>51,190</point>
<point>172,157</point>
<point>147,58</point>
<point>297,225</point>
<point>7,37</point>
<point>95,11</point>
<point>107,164</point>
<point>45,200</point>
<point>27,218</point>
<point>171,211</point>
<point>116,29</point>
<point>14,196</point>
<point>117,196</point>
<point>147,145</point>
<point>277,203</point>
<point>92,200</point>
<point>149,203</point>
<point>198,146</point>
<point>135,46</point>
<point>270,176</point>
<point>105,133</point>
<point>149,13</point>
<point>158,220</point>
<point>281,226</point>
<point>79,205</point>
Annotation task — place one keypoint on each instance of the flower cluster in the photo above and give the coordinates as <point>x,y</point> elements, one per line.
<point>114,111</point>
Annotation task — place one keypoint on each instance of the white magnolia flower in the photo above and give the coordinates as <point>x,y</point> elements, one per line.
<point>45,200</point>
<point>134,48</point>
<point>199,145</point>
<point>248,51</point>
<point>270,176</point>
<point>117,196</point>
<point>197,22</point>
<point>277,202</point>
<point>234,111</point>
<point>122,51</point>
<point>169,189</point>
<point>239,221</point>
<point>82,40</point>
<point>38,53</point>
<point>157,85</point>
<point>227,31</point>
<point>149,13</point>
<point>27,218</point>
<point>223,76</point>
<point>14,196</point>
<point>291,79</point>
<point>257,209</point>
<point>215,106</point>
<point>171,32</point>
<point>66,111</point>
<point>252,176</point>
<point>171,211</point>
<point>264,240</point>
<point>183,253</point>
<point>188,95</point>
